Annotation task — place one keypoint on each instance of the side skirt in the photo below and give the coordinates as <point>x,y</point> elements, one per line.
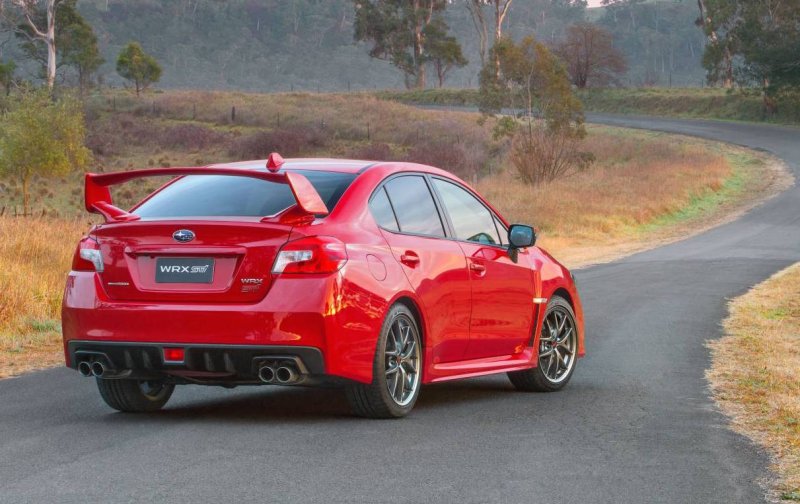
<point>481,367</point>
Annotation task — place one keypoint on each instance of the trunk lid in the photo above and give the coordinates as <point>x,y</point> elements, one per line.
<point>143,262</point>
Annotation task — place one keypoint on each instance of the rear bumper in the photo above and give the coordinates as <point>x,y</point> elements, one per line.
<point>311,317</point>
<point>212,364</point>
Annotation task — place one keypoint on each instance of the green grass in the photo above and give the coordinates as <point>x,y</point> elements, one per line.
<point>710,103</point>
<point>442,97</point>
<point>792,496</point>
<point>697,103</point>
<point>742,165</point>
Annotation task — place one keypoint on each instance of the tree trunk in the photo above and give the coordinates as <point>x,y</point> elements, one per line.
<point>50,40</point>
<point>475,8</point>
<point>500,11</point>
<point>728,61</point>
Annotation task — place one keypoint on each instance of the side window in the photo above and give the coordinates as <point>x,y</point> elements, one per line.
<point>413,204</point>
<point>471,220</point>
<point>382,211</point>
<point>502,231</point>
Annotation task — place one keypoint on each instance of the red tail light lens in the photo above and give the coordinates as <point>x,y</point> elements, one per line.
<point>315,254</point>
<point>87,256</point>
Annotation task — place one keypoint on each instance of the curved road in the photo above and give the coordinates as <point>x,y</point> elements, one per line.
<point>635,425</point>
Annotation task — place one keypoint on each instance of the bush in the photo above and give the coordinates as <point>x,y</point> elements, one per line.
<point>190,136</point>
<point>541,155</point>
<point>374,151</point>
<point>289,142</point>
<point>103,142</point>
<point>467,160</point>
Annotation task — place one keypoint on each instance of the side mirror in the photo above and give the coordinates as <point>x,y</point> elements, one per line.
<point>521,236</point>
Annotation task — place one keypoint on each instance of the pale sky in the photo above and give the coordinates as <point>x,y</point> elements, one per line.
<point>594,3</point>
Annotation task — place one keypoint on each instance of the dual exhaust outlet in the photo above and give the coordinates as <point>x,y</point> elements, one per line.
<point>283,373</point>
<point>96,369</point>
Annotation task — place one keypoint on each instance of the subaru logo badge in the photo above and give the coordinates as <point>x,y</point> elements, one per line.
<point>183,235</point>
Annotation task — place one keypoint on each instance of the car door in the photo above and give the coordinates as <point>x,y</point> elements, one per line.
<point>435,266</point>
<point>502,289</point>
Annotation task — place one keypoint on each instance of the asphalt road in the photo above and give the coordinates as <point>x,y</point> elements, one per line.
<point>635,425</point>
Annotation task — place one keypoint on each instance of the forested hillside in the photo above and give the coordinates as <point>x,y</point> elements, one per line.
<point>276,45</point>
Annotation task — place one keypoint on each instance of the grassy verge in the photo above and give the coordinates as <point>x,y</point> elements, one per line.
<point>35,255</point>
<point>755,372</point>
<point>696,103</point>
<point>646,188</point>
<point>708,103</point>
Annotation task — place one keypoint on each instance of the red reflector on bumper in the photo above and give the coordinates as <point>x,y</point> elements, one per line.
<point>173,354</point>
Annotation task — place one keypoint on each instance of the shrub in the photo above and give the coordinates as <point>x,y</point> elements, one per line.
<point>541,155</point>
<point>191,136</point>
<point>440,154</point>
<point>289,142</point>
<point>374,151</point>
<point>103,142</point>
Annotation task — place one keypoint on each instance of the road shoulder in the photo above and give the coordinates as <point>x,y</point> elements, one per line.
<point>755,374</point>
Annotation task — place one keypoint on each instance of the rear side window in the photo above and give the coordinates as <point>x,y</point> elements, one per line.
<point>226,196</point>
<point>382,211</point>
<point>413,204</point>
<point>471,220</point>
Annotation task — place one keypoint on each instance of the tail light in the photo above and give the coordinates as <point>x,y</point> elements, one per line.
<point>87,256</point>
<point>315,254</point>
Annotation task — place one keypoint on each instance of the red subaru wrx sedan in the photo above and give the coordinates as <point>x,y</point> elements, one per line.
<point>374,276</point>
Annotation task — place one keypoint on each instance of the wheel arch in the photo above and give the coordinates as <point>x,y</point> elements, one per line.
<point>564,293</point>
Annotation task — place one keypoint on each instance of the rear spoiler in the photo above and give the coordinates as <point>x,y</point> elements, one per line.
<point>98,197</point>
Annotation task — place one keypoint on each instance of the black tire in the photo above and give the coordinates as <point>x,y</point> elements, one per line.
<point>374,400</point>
<point>134,396</point>
<point>537,379</point>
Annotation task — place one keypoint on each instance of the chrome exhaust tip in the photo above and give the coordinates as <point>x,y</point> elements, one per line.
<point>285,374</point>
<point>266,374</point>
<point>98,369</point>
<point>85,369</point>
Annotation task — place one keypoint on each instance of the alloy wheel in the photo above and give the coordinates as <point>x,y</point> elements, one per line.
<point>557,345</point>
<point>401,360</point>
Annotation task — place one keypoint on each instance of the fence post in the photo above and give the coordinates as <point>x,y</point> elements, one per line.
<point>194,111</point>
<point>233,114</point>
<point>368,132</point>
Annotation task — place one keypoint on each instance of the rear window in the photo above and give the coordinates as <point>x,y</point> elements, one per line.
<point>227,196</point>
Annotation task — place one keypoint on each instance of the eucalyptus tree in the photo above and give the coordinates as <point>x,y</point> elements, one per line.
<point>396,30</point>
<point>24,16</point>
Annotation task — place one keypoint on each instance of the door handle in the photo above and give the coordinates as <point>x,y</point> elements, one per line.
<point>409,258</point>
<point>477,267</point>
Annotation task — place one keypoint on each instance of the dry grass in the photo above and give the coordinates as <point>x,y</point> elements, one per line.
<point>643,186</point>
<point>35,256</point>
<point>755,372</point>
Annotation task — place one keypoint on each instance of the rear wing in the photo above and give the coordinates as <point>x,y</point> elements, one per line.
<point>98,197</point>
